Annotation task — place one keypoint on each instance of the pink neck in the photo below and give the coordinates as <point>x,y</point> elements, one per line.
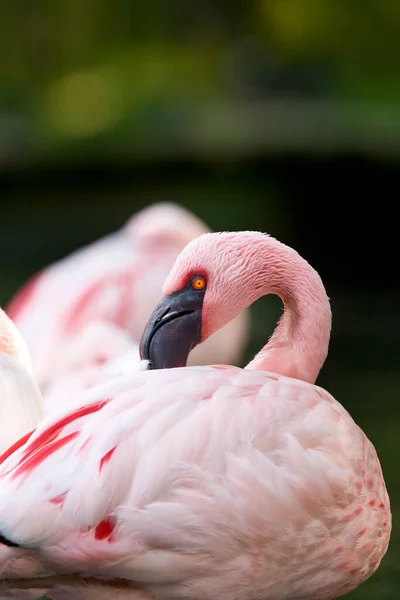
<point>299,344</point>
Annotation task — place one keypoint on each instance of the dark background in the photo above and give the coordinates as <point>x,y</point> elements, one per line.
<point>278,115</point>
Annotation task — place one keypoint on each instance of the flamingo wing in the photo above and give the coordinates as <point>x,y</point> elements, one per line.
<point>185,477</point>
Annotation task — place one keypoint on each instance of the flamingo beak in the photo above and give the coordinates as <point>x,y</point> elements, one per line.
<point>173,329</point>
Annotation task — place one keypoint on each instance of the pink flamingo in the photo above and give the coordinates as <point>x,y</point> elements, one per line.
<point>21,404</point>
<point>206,482</point>
<point>21,410</point>
<point>102,351</point>
<point>116,280</point>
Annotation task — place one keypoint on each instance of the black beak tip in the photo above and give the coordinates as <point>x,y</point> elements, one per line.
<point>168,340</point>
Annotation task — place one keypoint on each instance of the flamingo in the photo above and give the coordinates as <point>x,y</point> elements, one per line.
<point>115,280</point>
<point>206,482</point>
<point>22,410</point>
<point>102,351</point>
<point>21,404</point>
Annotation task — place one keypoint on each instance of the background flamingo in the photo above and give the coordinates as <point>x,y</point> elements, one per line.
<point>208,482</point>
<point>103,351</point>
<point>116,280</point>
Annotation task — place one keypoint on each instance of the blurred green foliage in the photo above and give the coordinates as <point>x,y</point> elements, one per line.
<point>172,76</point>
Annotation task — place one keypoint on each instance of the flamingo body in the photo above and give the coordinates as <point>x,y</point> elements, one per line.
<point>21,405</point>
<point>101,352</point>
<point>232,482</point>
<point>21,410</point>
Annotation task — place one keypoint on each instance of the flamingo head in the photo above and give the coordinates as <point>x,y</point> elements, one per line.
<point>214,278</point>
<point>163,226</point>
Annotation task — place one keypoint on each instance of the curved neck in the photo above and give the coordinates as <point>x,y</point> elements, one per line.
<point>12,343</point>
<point>299,345</point>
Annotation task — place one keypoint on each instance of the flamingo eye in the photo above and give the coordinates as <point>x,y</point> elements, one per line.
<point>198,282</point>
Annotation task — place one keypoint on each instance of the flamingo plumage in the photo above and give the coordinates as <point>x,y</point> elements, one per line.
<point>116,280</point>
<point>101,352</point>
<point>21,410</point>
<point>21,403</point>
<point>207,482</point>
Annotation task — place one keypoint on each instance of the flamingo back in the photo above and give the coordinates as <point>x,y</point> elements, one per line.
<point>230,483</point>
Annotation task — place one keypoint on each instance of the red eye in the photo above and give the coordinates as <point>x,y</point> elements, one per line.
<point>198,282</point>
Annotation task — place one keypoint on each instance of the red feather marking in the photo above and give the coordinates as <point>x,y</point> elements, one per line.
<point>77,314</point>
<point>82,311</point>
<point>35,459</point>
<point>104,460</point>
<point>85,443</point>
<point>125,281</point>
<point>58,499</point>
<point>49,434</point>
<point>15,446</point>
<point>46,443</point>
<point>104,529</point>
<point>100,360</point>
<point>21,298</point>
